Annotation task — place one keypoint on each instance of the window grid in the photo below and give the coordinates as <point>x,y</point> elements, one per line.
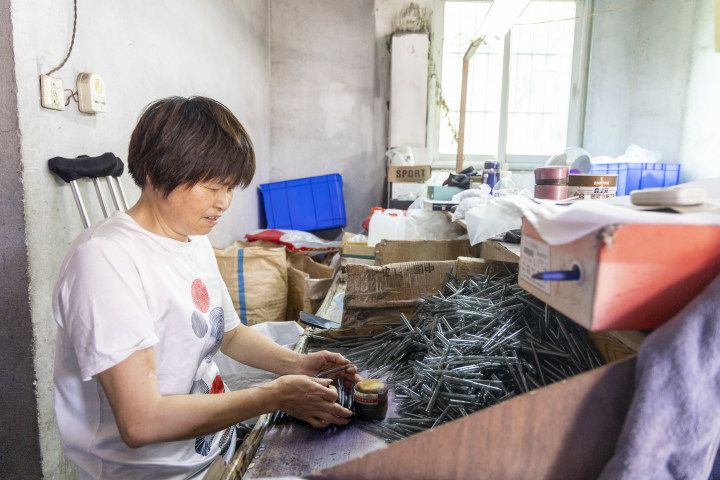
<point>540,128</point>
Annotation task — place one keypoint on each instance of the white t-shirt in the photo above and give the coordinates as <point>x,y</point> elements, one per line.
<point>122,289</point>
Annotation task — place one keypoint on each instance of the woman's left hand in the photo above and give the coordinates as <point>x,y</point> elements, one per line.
<point>313,363</point>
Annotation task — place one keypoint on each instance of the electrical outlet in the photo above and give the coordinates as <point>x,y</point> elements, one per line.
<point>91,93</point>
<point>52,92</point>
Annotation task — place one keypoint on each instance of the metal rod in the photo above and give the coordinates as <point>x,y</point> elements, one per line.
<point>79,202</point>
<point>340,368</point>
<point>100,197</point>
<point>113,193</point>
<point>123,197</point>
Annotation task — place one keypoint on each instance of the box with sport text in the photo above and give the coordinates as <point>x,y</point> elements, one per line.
<point>415,173</point>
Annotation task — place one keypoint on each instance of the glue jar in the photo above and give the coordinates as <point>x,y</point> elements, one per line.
<point>370,399</point>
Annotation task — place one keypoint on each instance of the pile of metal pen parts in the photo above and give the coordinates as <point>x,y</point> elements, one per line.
<point>481,341</point>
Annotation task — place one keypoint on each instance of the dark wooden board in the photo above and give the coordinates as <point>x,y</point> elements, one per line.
<point>565,430</point>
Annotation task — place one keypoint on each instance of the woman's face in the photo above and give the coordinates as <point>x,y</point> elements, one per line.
<point>194,210</point>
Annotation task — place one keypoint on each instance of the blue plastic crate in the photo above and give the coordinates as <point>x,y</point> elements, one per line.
<point>312,203</point>
<point>638,176</point>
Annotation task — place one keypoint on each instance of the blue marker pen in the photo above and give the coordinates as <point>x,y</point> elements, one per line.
<point>559,275</point>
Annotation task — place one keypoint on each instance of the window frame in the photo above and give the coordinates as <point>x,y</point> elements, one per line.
<point>577,101</point>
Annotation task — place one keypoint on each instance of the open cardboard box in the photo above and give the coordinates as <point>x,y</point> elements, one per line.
<point>382,293</point>
<point>564,430</point>
<point>394,251</point>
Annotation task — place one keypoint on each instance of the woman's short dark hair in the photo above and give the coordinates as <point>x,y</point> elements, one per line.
<point>184,141</point>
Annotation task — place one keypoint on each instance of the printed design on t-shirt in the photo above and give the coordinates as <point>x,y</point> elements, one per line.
<point>199,324</point>
<point>204,444</point>
<point>217,330</point>
<point>225,441</point>
<point>200,296</point>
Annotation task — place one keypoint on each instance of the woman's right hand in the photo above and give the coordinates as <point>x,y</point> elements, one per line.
<point>310,399</point>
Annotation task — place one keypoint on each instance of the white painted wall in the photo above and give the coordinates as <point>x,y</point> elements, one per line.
<point>144,51</point>
<point>639,65</point>
<point>701,141</point>
<point>323,108</point>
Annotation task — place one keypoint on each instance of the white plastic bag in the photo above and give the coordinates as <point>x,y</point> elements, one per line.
<point>400,157</point>
<point>482,190</point>
<point>238,376</point>
<point>467,204</point>
<point>428,225</point>
<point>492,218</point>
<point>637,154</point>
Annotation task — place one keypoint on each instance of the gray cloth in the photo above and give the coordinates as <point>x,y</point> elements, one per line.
<point>672,429</point>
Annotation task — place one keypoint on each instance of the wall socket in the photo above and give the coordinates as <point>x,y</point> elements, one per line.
<point>52,94</point>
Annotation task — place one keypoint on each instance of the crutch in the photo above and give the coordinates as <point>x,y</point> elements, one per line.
<point>106,165</point>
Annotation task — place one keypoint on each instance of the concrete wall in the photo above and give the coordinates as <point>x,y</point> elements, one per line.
<point>639,66</point>
<point>144,51</point>
<point>701,142</point>
<point>330,92</point>
<point>325,101</point>
<point>19,441</point>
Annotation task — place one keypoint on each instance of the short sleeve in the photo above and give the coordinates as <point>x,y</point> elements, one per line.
<point>232,319</point>
<point>102,306</point>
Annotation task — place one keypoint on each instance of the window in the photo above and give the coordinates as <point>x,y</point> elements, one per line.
<point>525,96</point>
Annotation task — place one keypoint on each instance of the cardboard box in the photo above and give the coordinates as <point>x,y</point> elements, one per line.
<point>500,251</point>
<point>308,283</point>
<point>358,253</point>
<point>395,251</point>
<point>564,430</point>
<point>382,293</point>
<point>634,277</point>
<point>415,173</point>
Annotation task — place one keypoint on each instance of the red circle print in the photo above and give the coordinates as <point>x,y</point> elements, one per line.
<point>200,295</point>
<point>217,386</point>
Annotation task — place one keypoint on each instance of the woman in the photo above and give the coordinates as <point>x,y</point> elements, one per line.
<point>141,311</point>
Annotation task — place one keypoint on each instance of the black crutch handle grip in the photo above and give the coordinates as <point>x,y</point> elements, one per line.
<point>70,169</point>
<point>119,167</point>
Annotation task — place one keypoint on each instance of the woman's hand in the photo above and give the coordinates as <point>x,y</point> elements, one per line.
<point>311,400</point>
<point>314,363</point>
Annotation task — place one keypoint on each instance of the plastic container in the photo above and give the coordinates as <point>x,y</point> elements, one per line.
<point>551,192</point>
<point>442,193</point>
<point>638,176</point>
<point>505,186</point>
<point>312,203</point>
<point>491,172</point>
<point>386,225</point>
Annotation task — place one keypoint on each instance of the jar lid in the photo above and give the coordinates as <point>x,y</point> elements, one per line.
<point>552,173</point>
<point>371,386</point>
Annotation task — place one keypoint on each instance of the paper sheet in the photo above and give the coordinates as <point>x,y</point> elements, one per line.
<point>560,224</point>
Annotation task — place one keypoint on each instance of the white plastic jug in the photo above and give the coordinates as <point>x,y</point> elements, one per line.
<point>386,225</point>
